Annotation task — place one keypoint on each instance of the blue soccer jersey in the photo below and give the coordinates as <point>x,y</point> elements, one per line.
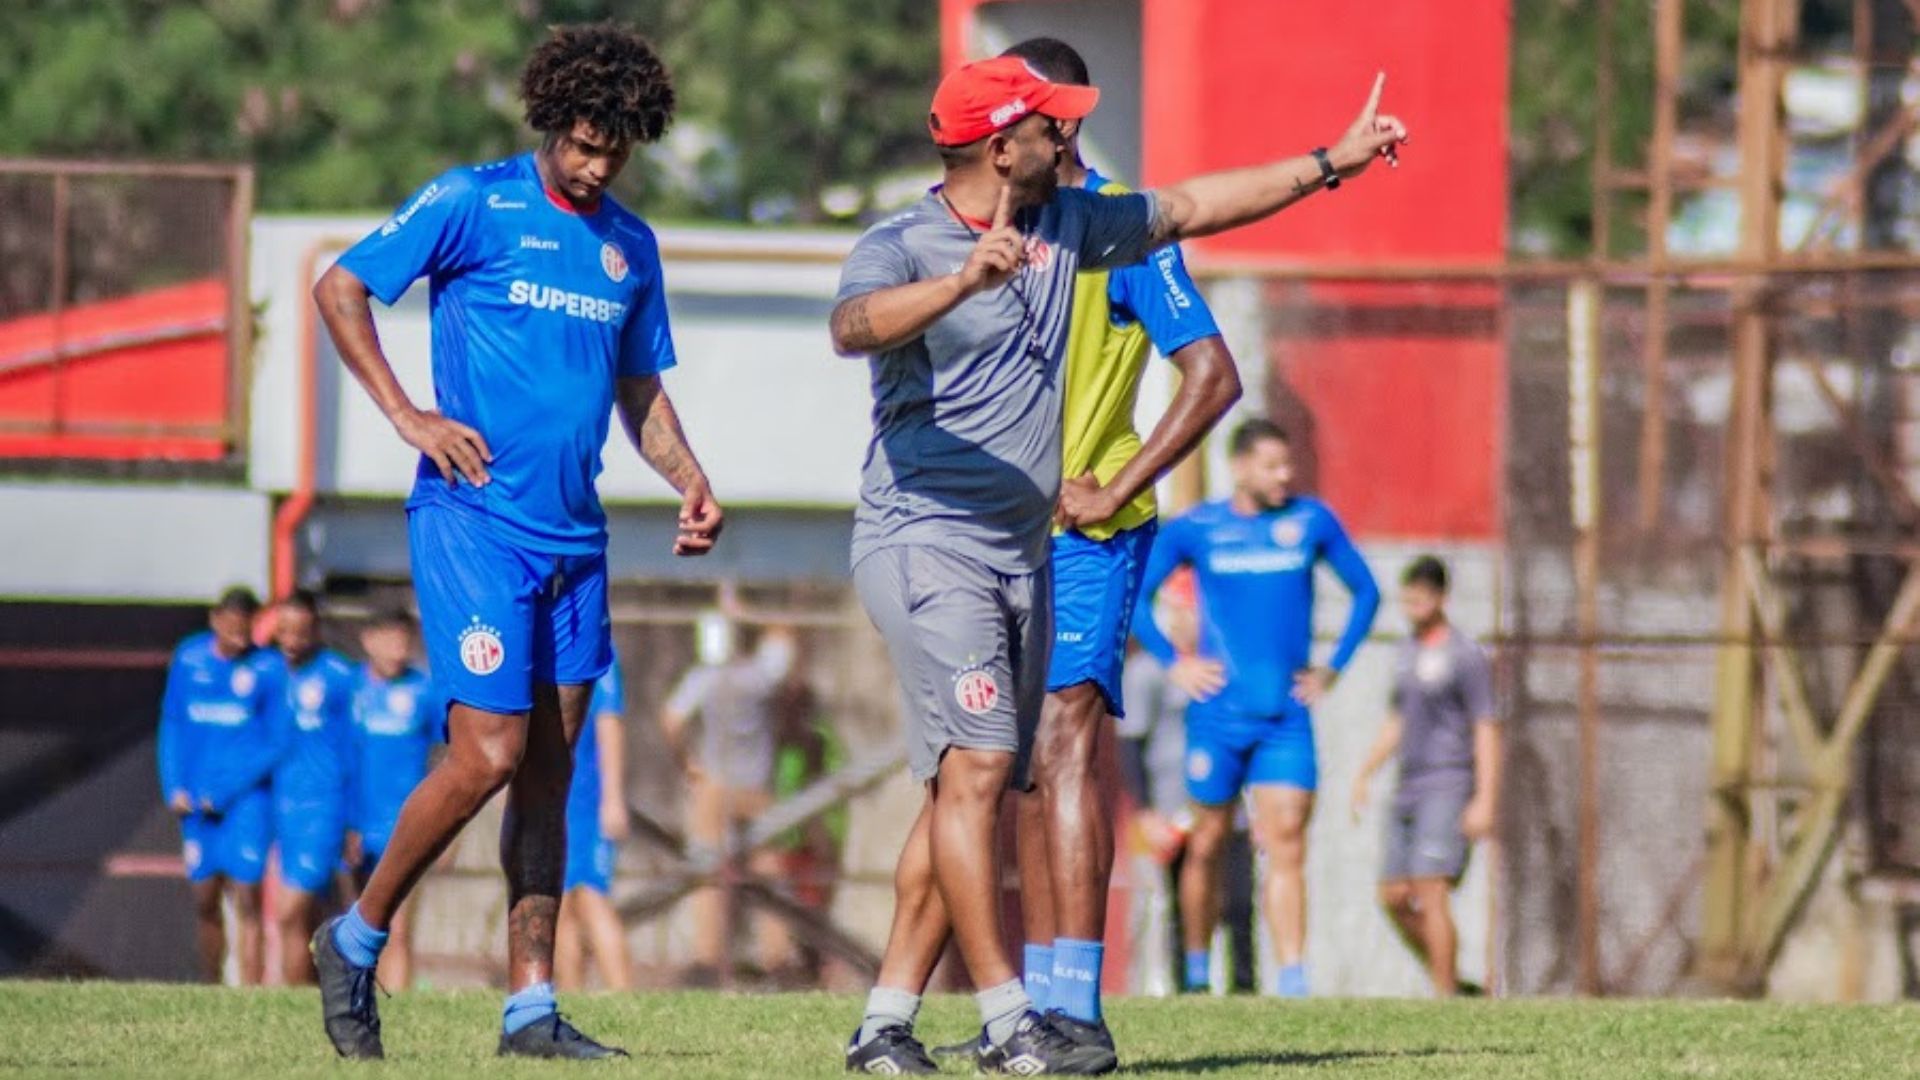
<point>1255,579</point>
<point>536,310</point>
<point>216,741</point>
<point>395,724</point>
<point>314,729</point>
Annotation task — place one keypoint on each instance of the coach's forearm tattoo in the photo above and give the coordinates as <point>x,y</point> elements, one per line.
<point>852,325</point>
<point>1167,220</point>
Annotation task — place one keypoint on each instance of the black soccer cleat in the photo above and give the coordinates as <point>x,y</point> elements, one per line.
<point>553,1037</point>
<point>1037,1048</point>
<point>1086,1034</point>
<point>893,1051</point>
<point>347,1004</point>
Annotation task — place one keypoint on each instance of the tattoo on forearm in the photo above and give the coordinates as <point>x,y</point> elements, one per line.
<point>853,325</point>
<point>664,445</point>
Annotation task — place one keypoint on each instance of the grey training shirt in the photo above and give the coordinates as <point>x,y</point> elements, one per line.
<point>1440,692</point>
<point>966,418</point>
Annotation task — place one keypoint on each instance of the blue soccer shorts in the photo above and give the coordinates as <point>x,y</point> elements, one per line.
<point>1095,586</point>
<point>233,845</point>
<point>589,858</point>
<point>1225,757</point>
<point>311,833</point>
<point>498,619</point>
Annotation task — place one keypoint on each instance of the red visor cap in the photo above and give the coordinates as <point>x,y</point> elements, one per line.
<point>986,96</point>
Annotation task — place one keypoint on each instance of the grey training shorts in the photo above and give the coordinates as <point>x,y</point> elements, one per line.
<point>970,645</point>
<point>1424,840</point>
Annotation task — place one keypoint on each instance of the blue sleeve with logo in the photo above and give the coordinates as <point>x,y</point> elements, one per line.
<point>1172,549</point>
<point>646,343</point>
<point>1161,296</point>
<point>432,233</point>
<point>1340,554</point>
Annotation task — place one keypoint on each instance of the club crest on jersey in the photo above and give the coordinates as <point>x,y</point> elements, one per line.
<point>613,261</point>
<point>975,691</point>
<point>1288,532</point>
<point>400,702</point>
<point>241,682</point>
<point>1432,667</point>
<point>1039,254</point>
<point>480,649</point>
<point>313,694</point>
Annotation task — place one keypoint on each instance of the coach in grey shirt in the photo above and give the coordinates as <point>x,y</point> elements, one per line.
<point>1446,731</point>
<point>961,303</point>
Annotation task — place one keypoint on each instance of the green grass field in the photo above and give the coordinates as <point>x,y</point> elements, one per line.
<point>99,1029</point>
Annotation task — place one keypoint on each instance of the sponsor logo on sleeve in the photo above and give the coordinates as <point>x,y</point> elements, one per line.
<point>426,198</point>
<point>495,202</point>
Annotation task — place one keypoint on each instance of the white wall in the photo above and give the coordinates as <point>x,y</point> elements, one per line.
<point>74,541</point>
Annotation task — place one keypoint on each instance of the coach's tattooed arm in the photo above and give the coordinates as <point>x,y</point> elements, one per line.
<point>1216,202</point>
<point>654,427</point>
<point>888,318</point>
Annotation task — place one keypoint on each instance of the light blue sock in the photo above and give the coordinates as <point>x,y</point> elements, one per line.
<point>1199,969</point>
<point>1037,976</point>
<point>528,1006</point>
<point>1292,981</point>
<point>359,942</point>
<point>1076,978</point>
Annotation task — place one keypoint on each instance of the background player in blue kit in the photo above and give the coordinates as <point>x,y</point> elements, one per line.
<point>215,753</point>
<point>1252,681</point>
<point>313,734</point>
<point>596,820</point>
<point>397,719</point>
<point>548,314</point>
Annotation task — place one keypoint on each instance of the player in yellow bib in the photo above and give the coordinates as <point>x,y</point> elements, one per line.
<point>1107,521</point>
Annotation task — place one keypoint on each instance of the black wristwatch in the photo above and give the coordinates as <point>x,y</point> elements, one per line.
<point>1329,176</point>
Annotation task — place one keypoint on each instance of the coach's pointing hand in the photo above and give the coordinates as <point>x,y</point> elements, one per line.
<point>452,445</point>
<point>1371,136</point>
<point>999,253</point>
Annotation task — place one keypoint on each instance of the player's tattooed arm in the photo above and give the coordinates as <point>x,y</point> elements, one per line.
<point>889,318</point>
<point>1216,202</point>
<point>852,327</point>
<point>654,426</point>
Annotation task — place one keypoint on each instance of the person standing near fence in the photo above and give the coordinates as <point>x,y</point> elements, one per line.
<point>729,767</point>
<point>397,720</point>
<point>1253,682</point>
<point>1446,730</point>
<point>597,820</point>
<point>312,773</point>
<point>215,756</point>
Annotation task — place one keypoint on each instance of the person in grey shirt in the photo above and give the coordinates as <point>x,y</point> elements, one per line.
<point>1447,733</point>
<point>961,304</point>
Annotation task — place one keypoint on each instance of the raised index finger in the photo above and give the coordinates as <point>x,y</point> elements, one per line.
<point>1003,214</point>
<point>1373,99</point>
